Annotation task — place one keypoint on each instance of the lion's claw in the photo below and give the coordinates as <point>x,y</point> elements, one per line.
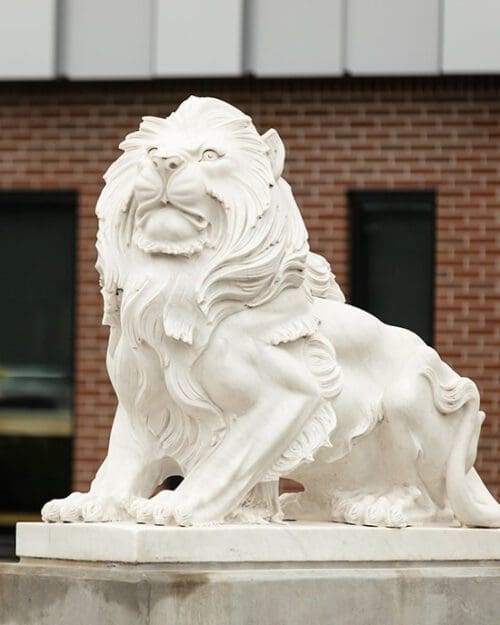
<point>163,508</point>
<point>144,513</point>
<point>50,512</point>
<point>159,510</point>
<point>67,509</point>
<point>82,507</point>
<point>141,509</point>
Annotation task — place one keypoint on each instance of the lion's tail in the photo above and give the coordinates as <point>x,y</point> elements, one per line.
<point>469,498</point>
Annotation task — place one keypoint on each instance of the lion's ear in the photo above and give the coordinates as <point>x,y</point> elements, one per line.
<point>276,151</point>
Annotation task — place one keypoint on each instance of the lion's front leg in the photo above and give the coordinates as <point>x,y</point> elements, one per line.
<point>130,469</point>
<point>270,400</point>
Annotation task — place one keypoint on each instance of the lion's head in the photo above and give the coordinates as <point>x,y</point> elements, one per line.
<point>203,187</point>
<point>189,164</point>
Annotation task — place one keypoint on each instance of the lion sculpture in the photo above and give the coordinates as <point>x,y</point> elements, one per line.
<point>236,361</point>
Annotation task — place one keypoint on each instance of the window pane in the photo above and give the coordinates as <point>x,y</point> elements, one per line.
<point>37,247</point>
<point>393,257</point>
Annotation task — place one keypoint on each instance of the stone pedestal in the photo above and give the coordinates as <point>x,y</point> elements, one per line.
<point>317,574</point>
<point>277,543</point>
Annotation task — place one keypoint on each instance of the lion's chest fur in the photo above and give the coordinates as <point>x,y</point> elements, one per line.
<point>159,373</point>
<point>188,394</point>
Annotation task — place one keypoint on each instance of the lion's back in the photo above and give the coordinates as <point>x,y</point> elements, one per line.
<point>358,335</point>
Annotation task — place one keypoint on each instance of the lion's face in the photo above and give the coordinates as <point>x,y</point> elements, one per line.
<point>202,185</point>
<point>192,157</point>
<point>175,211</point>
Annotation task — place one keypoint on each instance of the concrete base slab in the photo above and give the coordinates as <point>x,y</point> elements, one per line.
<point>46,592</point>
<point>293,574</point>
<point>290,542</point>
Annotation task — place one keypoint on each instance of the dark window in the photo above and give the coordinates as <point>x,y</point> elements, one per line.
<point>37,249</point>
<point>393,257</point>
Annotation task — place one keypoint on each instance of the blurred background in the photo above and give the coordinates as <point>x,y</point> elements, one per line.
<point>390,113</point>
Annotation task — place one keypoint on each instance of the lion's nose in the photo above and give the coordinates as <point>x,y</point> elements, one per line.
<point>168,164</point>
<point>173,162</point>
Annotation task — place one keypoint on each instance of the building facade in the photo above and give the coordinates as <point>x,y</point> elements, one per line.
<point>389,156</point>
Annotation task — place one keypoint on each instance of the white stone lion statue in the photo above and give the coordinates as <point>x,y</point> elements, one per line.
<point>236,362</point>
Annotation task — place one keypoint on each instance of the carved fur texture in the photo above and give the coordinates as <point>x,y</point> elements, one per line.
<point>237,362</point>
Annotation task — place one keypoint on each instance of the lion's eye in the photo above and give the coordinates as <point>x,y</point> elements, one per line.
<point>210,155</point>
<point>152,154</point>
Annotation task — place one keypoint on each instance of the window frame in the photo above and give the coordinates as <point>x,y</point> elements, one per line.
<point>54,202</point>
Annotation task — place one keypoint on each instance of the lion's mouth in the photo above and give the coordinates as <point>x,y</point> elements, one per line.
<point>171,229</point>
<point>193,217</point>
<point>168,209</point>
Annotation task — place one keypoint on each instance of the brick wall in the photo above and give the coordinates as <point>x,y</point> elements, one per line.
<point>441,134</point>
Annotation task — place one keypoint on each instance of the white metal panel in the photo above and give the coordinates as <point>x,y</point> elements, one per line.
<point>198,37</point>
<point>27,39</point>
<point>471,42</point>
<point>105,38</point>
<point>392,37</point>
<point>294,37</point>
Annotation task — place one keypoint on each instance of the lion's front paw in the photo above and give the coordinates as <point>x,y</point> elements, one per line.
<point>99,509</point>
<point>82,507</point>
<point>162,509</point>
<point>68,509</point>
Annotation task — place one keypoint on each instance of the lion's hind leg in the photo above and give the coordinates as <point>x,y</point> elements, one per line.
<point>441,412</point>
<point>400,468</point>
